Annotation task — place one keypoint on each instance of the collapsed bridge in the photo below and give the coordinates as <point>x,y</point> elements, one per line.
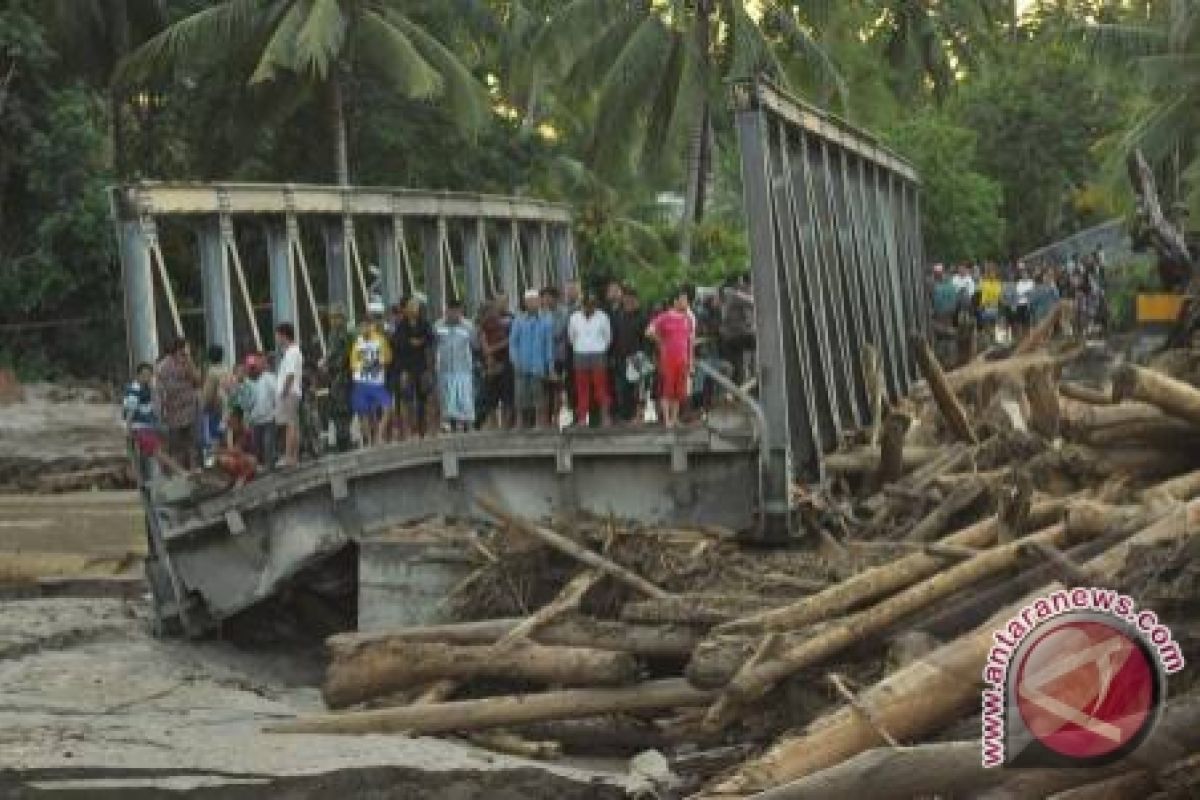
<point>833,221</point>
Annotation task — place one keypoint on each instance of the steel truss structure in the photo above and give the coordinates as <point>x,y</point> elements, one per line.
<point>834,226</point>
<point>498,245</point>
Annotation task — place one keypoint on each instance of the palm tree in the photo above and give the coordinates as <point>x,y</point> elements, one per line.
<point>653,72</point>
<point>928,42</point>
<point>319,41</point>
<point>1163,41</point>
<point>92,37</point>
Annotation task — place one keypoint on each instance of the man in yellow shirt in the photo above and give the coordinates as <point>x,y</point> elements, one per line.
<point>990,289</point>
<point>370,399</point>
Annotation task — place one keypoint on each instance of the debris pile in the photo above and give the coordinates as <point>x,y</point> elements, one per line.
<point>854,659</point>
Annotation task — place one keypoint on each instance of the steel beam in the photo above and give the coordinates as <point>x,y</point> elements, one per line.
<point>141,317</point>
<point>387,257</point>
<point>562,254</point>
<point>433,233</point>
<point>474,240</point>
<point>769,288</point>
<point>160,199</point>
<point>216,290</point>
<point>506,260</point>
<point>285,301</point>
<point>337,268</point>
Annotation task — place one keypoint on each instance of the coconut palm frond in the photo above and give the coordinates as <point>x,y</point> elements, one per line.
<point>319,41</point>
<point>394,55</point>
<point>194,38</point>
<point>574,29</point>
<point>279,53</point>
<point>812,53</point>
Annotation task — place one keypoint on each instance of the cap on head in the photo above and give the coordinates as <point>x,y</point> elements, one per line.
<point>376,308</point>
<point>532,294</point>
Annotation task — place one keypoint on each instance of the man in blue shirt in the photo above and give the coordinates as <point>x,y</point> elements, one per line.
<point>531,350</point>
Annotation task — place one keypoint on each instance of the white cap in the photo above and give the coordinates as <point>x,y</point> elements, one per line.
<point>376,308</point>
<point>532,294</point>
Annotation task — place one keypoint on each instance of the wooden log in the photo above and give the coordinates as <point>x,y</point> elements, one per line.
<point>980,370</point>
<point>1175,398</point>
<point>572,549</point>
<point>958,499</point>
<point>953,769</point>
<point>1166,433</point>
<point>1179,488</point>
<point>947,402</point>
<point>873,381</point>
<point>498,712</point>
<point>1086,394</point>
<point>395,665</point>
<point>1041,333</point>
<point>871,584</point>
<point>930,693</point>
<point>866,460</point>
<point>857,628</point>
<point>1043,402</point>
<point>695,610</point>
<point>1014,501</point>
<point>891,448</point>
<point>1081,418</point>
<point>1138,783</point>
<point>650,641</point>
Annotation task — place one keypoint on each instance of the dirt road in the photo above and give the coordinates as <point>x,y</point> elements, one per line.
<point>86,523</point>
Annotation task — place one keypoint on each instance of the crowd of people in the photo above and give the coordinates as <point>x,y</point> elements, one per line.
<point>561,360</point>
<point>1004,302</point>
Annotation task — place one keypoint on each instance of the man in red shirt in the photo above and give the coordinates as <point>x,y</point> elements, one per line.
<point>675,332</point>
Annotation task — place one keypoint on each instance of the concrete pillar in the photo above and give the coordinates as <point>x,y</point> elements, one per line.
<point>506,261</point>
<point>141,318</point>
<point>387,256</point>
<point>216,291</point>
<point>473,243</point>
<point>337,267</point>
<point>432,234</point>
<point>285,305</point>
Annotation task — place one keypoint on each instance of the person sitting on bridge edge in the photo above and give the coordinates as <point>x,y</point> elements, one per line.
<point>590,334</point>
<point>531,349</point>
<point>412,380</point>
<point>235,456</point>
<point>370,399</point>
<point>674,330</point>
<point>288,392</point>
<point>137,409</point>
<point>455,362</point>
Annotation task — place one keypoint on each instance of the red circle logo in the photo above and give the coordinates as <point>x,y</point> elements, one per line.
<point>1086,689</point>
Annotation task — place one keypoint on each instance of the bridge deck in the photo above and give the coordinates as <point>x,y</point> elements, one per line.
<point>226,553</point>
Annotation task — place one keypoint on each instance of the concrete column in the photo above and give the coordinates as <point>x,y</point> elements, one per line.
<point>216,291</point>
<point>506,262</point>
<point>387,256</point>
<point>141,318</point>
<point>432,234</point>
<point>473,243</point>
<point>285,305</point>
<point>337,268</point>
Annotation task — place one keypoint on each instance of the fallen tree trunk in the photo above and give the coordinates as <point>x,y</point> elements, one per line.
<point>702,611</point>
<point>891,448</point>
<point>1081,418</point>
<point>1044,330</point>
<point>943,394</point>
<point>1176,398</point>
<point>572,549</point>
<point>651,641</point>
<point>496,712</point>
<point>953,769</point>
<point>959,498</point>
<point>1086,394</point>
<point>838,635</point>
<point>929,693</point>
<point>394,665</point>
<point>1044,408</point>
<point>865,460</point>
<point>880,581</point>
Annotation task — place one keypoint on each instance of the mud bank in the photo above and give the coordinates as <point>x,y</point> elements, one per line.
<point>92,706</point>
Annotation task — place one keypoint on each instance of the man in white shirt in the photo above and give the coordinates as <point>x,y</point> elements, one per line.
<point>261,414</point>
<point>287,407</point>
<point>963,283</point>
<point>590,334</point>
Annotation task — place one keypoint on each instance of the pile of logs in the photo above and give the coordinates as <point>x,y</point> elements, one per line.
<point>853,666</point>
